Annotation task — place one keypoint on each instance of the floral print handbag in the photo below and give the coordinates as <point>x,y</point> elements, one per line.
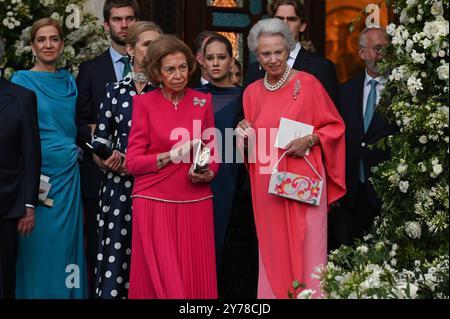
<point>297,187</point>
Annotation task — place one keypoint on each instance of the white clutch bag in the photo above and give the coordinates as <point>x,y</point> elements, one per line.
<point>202,158</point>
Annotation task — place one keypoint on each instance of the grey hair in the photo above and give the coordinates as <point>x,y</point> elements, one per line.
<point>2,47</point>
<point>362,39</point>
<point>270,27</point>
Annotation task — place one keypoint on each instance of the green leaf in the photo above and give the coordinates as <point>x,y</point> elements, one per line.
<point>351,27</point>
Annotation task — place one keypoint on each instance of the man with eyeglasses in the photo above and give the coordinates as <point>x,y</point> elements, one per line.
<point>111,66</point>
<point>364,128</point>
<point>292,12</point>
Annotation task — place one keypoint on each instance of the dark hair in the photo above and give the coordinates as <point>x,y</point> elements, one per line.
<point>238,64</point>
<point>222,39</point>
<point>162,47</point>
<point>200,38</point>
<point>45,22</point>
<point>109,4</point>
<point>273,6</point>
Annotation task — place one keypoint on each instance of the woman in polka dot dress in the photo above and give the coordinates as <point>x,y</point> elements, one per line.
<point>113,127</point>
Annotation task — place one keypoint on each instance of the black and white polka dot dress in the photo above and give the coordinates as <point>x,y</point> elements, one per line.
<point>114,217</point>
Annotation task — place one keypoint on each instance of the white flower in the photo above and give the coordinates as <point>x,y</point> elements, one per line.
<point>443,72</point>
<point>426,43</point>
<point>409,45</point>
<point>402,168</point>
<point>406,121</point>
<point>390,29</point>
<point>423,139</point>
<point>413,230</point>
<point>402,289</point>
<point>47,3</point>
<point>414,85</point>
<point>437,9</point>
<point>69,51</point>
<point>436,29</point>
<point>403,16</point>
<point>306,294</point>
<point>404,186</point>
<point>437,170</point>
<point>55,15</point>
<point>418,57</point>
<point>422,167</point>
<point>363,249</point>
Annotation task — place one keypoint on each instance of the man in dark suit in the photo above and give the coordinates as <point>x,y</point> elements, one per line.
<point>94,75</point>
<point>365,127</point>
<point>20,167</point>
<point>292,12</point>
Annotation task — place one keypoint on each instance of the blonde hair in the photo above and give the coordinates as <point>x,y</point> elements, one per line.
<point>162,47</point>
<point>140,27</point>
<point>44,22</point>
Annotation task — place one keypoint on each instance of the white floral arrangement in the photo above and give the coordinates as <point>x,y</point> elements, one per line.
<point>407,253</point>
<point>84,37</point>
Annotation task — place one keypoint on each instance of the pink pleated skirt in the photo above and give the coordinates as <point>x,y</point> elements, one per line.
<point>173,254</point>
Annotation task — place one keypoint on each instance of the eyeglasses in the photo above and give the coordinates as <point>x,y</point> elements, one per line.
<point>377,49</point>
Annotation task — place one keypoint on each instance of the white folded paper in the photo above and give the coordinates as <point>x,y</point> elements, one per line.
<point>290,130</point>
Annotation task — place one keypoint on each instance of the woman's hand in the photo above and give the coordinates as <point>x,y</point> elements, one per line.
<point>205,176</point>
<point>123,171</point>
<point>298,147</point>
<point>245,134</point>
<point>114,163</point>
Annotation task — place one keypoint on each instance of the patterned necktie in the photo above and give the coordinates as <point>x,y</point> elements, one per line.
<point>126,62</point>
<point>370,109</point>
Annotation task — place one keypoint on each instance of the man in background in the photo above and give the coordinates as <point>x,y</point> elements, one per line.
<point>364,128</point>
<point>293,13</point>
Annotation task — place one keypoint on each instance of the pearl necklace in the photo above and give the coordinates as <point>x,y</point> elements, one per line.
<point>139,77</point>
<point>280,83</point>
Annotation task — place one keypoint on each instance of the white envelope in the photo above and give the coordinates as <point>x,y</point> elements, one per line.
<point>290,130</point>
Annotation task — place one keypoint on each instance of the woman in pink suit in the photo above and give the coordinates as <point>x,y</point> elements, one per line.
<point>173,231</point>
<point>292,235</point>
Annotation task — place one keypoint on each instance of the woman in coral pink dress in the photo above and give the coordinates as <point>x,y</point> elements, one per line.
<point>292,236</point>
<point>173,230</point>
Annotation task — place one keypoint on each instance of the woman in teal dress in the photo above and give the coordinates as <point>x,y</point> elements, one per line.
<point>51,261</point>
